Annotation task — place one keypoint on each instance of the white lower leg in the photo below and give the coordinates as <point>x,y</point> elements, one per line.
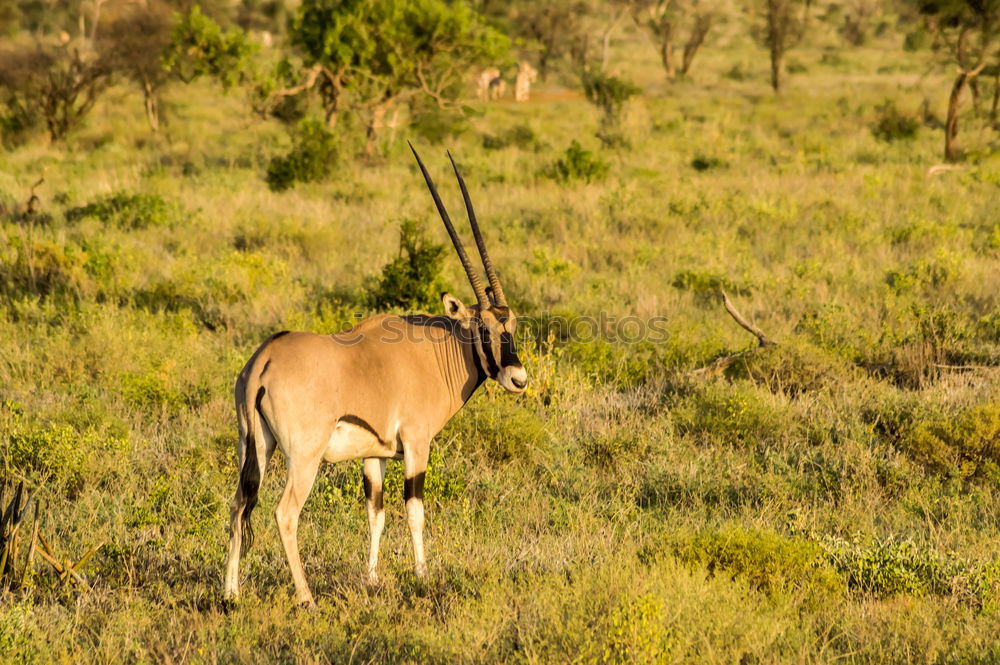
<point>232,587</point>
<point>415,519</point>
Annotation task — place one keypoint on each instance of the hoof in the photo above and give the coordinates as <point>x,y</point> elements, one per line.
<point>373,579</point>
<point>308,604</point>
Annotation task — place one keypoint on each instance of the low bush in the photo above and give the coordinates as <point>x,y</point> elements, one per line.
<point>411,281</point>
<point>793,367</point>
<point>577,163</point>
<point>501,431</point>
<point>766,560</point>
<point>892,125</point>
<point>733,414</point>
<point>314,153</point>
<point>891,566</point>
<point>966,445</point>
<point>56,454</point>
<point>128,211</point>
<point>521,136</point>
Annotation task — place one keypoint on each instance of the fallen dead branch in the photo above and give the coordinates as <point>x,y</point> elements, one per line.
<point>15,575</point>
<point>720,364</point>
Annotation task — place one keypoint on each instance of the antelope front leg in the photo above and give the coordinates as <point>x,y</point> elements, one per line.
<point>372,476</point>
<point>414,468</point>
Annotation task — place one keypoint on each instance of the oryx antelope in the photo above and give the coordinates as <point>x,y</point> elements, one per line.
<point>380,390</point>
<point>490,85</point>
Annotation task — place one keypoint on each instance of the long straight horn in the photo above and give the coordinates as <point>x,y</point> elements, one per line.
<point>470,270</point>
<point>491,273</point>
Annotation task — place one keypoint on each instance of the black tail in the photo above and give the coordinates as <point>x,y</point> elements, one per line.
<point>250,475</point>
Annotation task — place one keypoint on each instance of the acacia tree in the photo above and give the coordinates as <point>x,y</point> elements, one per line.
<point>151,46</point>
<point>365,56</point>
<point>784,26</point>
<point>967,31</point>
<point>60,84</point>
<point>553,27</point>
<point>664,21</point>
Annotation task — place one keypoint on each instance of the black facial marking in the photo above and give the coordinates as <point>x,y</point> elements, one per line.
<point>413,488</point>
<point>484,344</point>
<point>508,355</point>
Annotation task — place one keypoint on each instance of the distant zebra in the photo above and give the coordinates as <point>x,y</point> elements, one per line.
<point>526,75</point>
<point>490,86</point>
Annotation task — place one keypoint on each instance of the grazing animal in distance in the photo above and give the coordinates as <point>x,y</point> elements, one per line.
<point>381,390</point>
<point>490,86</point>
<point>526,75</point>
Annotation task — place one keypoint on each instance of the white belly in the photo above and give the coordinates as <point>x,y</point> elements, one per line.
<point>352,442</point>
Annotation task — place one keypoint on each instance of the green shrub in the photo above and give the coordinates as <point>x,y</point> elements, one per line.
<point>892,567</point>
<point>412,280</point>
<point>733,414</point>
<point>608,93</point>
<point>703,163</point>
<point>791,367</point>
<point>766,560</point>
<point>521,136</point>
<point>577,163</point>
<point>621,364</point>
<point>892,125</point>
<point>500,431</point>
<point>127,211</point>
<point>637,634</point>
<point>966,445</point>
<point>51,453</point>
<point>916,40</point>
<point>706,285</point>
<point>437,126</point>
<point>313,155</point>
<point>42,267</point>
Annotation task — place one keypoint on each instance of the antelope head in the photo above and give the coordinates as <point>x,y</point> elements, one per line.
<point>490,325</point>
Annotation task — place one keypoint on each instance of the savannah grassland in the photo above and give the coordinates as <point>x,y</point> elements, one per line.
<point>831,499</point>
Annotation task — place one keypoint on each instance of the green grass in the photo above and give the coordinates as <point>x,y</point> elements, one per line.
<point>831,499</point>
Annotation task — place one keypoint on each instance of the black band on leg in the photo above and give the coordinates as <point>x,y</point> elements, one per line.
<point>413,488</point>
<point>371,494</point>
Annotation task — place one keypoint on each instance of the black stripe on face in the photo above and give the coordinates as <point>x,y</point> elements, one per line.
<point>508,355</point>
<point>413,488</point>
<point>487,349</point>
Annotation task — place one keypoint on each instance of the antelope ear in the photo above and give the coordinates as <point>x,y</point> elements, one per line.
<point>454,308</point>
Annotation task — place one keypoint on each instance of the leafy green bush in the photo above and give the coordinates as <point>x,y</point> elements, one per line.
<point>608,93</point>
<point>703,163</point>
<point>706,285</point>
<point>966,445</point>
<point>733,414</point>
<point>314,153</point>
<point>577,163</point>
<point>792,367</point>
<point>892,125</point>
<point>412,280</point>
<point>52,453</point>
<point>890,566</point>
<point>502,431</point>
<point>522,136</point>
<point>636,633</point>
<point>127,211</point>
<point>624,365</point>
<point>437,126</point>
<point>766,560</point>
